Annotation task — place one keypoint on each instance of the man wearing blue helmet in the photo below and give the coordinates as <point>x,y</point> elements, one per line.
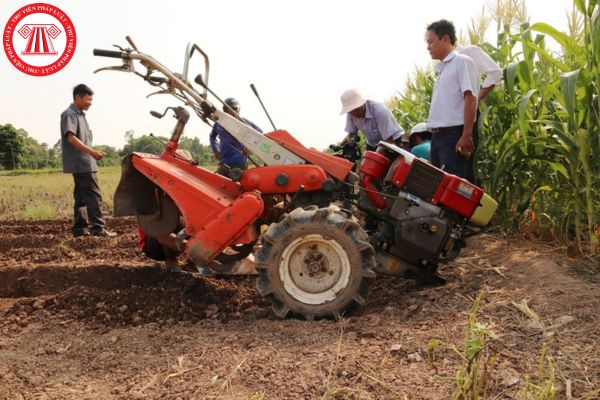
<point>228,151</point>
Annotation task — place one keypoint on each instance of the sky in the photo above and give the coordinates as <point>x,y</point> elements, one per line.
<point>300,55</point>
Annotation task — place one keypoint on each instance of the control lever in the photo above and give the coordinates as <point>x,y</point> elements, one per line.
<point>157,139</point>
<point>261,103</point>
<point>128,38</point>
<point>201,82</point>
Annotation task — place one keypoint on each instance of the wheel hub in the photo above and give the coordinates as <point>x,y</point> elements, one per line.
<point>316,261</point>
<point>314,269</point>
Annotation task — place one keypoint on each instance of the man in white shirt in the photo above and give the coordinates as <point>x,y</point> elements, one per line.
<point>493,75</point>
<point>453,103</point>
<point>374,119</point>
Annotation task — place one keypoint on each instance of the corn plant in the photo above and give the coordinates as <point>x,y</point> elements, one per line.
<point>540,129</point>
<point>471,377</point>
<point>412,106</point>
<point>542,387</point>
<point>553,134</point>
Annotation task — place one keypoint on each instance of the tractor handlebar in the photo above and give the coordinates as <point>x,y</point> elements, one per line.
<point>108,53</point>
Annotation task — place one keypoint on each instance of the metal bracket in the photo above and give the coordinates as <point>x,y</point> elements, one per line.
<point>126,67</point>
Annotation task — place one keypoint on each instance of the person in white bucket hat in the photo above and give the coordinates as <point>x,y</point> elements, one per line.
<point>420,141</point>
<point>374,119</point>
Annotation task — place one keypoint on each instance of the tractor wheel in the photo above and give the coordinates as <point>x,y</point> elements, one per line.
<point>315,262</point>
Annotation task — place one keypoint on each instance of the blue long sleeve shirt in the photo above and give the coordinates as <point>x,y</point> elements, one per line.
<point>232,151</point>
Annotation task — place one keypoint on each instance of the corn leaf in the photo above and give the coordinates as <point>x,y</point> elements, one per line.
<point>562,38</point>
<point>568,86</point>
<point>511,74</point>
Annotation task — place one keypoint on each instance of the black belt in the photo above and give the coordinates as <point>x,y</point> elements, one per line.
<point>445,129</point>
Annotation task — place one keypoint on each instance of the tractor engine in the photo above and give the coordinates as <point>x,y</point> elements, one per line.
<point>417,210</point>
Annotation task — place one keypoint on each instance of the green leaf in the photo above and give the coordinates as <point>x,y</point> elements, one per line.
<point>568,87</point>
<point>559,168</point>
<point>523,104</point>
<point>511,74</point>
<point>546,56</point>
<point>473,346</point>
<point>545,188</point>
<point>524,73</point>
<point>562,38</point>
<point>433,345</point>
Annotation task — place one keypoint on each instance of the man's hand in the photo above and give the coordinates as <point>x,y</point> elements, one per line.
<point>217,155</point>
<point>79,145</point>
<point>349,137</point>
<point>465,145</point>
<point>97,154</point>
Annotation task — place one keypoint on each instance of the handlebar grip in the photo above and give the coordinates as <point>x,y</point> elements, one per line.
<point>254,89</point>
<point>157,79</point>
<point>108,53</point>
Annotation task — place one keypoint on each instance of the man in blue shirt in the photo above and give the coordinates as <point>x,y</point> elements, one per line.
<point>374,119</point>
<point>228,151</point>
<point>420,141</point>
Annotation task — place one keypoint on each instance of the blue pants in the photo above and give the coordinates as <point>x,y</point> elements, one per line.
<point>444,154</point>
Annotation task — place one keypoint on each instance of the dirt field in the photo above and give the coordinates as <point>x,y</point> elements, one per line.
<point>91,318</point>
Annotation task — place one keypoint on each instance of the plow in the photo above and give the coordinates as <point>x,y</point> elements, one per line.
<point>299,209</point>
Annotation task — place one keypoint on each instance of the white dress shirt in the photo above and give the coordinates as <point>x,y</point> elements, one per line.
<point>457,74</point>
<point>484,63</point>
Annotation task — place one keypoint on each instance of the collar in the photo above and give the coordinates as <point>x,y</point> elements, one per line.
<point>77,110</point>
<point>449,57</point>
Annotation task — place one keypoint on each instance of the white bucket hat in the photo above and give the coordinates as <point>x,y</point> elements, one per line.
<point>421,127</point>
<point>351,100</point>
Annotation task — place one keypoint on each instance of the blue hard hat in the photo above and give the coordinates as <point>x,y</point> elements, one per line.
<point>233,103</point>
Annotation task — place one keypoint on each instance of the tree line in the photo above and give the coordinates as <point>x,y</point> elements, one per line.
<point>18,150</point>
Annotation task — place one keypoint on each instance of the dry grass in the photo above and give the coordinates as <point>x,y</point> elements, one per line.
<point>48,195</point>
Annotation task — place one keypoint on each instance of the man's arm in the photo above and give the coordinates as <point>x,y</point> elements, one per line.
<point>387,124</point>
<point>79,145</point>
<point>213,143</point>
<point>469,86</point>
<point>488,67</point>
<point>484,91</point>
<point>252,125</point>
<point>465,144</point>
<point>351,128</point>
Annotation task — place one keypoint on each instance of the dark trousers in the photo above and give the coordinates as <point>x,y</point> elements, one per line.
<point>444,154</point>
<point>88,203</point>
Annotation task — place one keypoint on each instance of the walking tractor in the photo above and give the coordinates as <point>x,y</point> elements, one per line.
<point>314,259</point>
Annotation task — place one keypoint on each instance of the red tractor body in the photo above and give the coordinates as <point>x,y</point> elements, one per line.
<point>313,257</point>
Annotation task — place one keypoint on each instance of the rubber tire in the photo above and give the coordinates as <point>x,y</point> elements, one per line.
<point>333,224</point>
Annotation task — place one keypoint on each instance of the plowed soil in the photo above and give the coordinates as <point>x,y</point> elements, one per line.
<point>92,318</point>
